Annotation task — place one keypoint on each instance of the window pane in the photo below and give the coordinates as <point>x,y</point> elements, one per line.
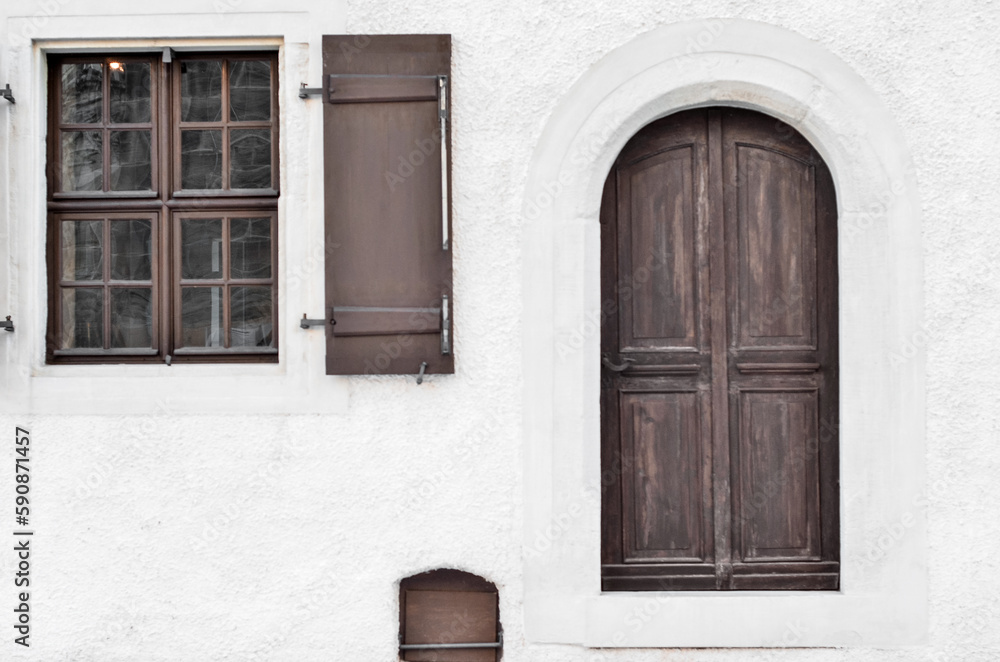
<point>250,248</point>
<point>201,248</point>
<point>83,250</point>
<point>201,159</point>
<point>131,250</point>
<point>249,90</point>
<point>131,161</point>
<point>250,318</point>
<point>131,317</point>
<point>82,318</point>
<point>81,93</point>
<point>201,91</point>
<point>130,91</point>
<point>250,158</point>
<point>82,161</point>
<point>201,316</point>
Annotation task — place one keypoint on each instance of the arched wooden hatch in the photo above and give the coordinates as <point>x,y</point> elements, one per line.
<point>719,352</point>
<point>448,615</point>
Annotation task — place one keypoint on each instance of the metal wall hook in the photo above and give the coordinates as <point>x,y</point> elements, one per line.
<point>7,325</point>
<point>420,375</point>
<point>7,93</point>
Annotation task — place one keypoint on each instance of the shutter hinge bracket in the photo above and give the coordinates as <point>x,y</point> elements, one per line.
<point>444,112</point>
<point>306,323</point>
<point>7,93</point>
<point>7,325</point>
<point>445,323</point>
<point>306,92</point>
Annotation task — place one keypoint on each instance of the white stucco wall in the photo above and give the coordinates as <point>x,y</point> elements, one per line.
<point>188,536</point>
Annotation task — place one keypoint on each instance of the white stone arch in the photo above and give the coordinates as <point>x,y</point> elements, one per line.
<point>766,68</point>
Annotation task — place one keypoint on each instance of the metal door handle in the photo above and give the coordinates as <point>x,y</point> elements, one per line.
<point>626,363</point>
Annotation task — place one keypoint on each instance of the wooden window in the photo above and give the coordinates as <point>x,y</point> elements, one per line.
<point>719,350</point>
<point>386,102</point>
<point>162,190</point>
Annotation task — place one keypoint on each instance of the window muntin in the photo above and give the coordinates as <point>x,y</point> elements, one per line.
<point>138,149</point>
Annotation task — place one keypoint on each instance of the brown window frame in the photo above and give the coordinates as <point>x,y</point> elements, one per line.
<point>165,204</point>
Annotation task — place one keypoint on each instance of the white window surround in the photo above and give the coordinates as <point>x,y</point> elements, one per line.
<point>883,600</point>
<point>297,383</point>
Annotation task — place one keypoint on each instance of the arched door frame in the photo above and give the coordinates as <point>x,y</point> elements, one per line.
<point>761,67</point>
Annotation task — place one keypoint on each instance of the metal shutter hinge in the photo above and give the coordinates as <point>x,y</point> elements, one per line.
<point>445,322</point>
<point>7,325</point>
<point>7,93</point>
<point>306,92</point>
<point>306,323</point>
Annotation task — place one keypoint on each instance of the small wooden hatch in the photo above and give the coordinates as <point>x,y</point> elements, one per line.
<point>449,616</point>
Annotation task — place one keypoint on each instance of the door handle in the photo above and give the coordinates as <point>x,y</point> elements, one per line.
<point>626,362</point>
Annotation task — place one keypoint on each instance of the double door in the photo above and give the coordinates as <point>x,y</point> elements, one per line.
<point>719,359</point>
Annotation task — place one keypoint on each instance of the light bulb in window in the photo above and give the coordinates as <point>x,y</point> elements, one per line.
<point>116,66</point>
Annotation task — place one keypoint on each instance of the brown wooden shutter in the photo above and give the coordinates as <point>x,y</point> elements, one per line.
<point>388,206</point>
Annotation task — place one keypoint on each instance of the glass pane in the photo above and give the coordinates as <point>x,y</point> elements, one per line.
<point>250,317</point>
<point>201,159</point>
<point>83,250</point>
<point>131,317</point>
<point>250,248</point>
<point>82,318</point>
<point>201,91</point>
<point>81,93</point>
<point>250,158</point>
<point>249,90</point>
<point>201,316</point>
<point>131,161</point>
<point>131,250</point>
<point>82,161</point>
<point>201,248</point>
<point>130,91</point>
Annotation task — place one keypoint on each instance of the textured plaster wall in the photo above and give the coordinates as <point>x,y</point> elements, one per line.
<point>282,537</point>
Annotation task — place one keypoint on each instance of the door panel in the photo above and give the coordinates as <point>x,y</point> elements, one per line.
<point>778,475</point>
<point>660,251</point>
<point>719,379</point>
<point>777,251</point>
<point>664,436</point>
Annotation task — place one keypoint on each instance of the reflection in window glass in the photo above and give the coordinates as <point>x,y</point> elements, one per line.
<point>131,317</point>
<point>249,90</point>
<point>82,318</point>
<point>250,317</point>
<point>250,248</point>
<point>201,91</point>
<point>250,158</point>
<point>82,93</point>
<point>201,316</point>
<point>130,91</point>
<point>201,159</point>
<point>131,250</point>
<point>131,161</point>
<point>82,250</point>
<point>201,248</point>
<point>82,161</point>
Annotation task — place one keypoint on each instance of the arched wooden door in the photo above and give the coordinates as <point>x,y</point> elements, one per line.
<point>719,358</point>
